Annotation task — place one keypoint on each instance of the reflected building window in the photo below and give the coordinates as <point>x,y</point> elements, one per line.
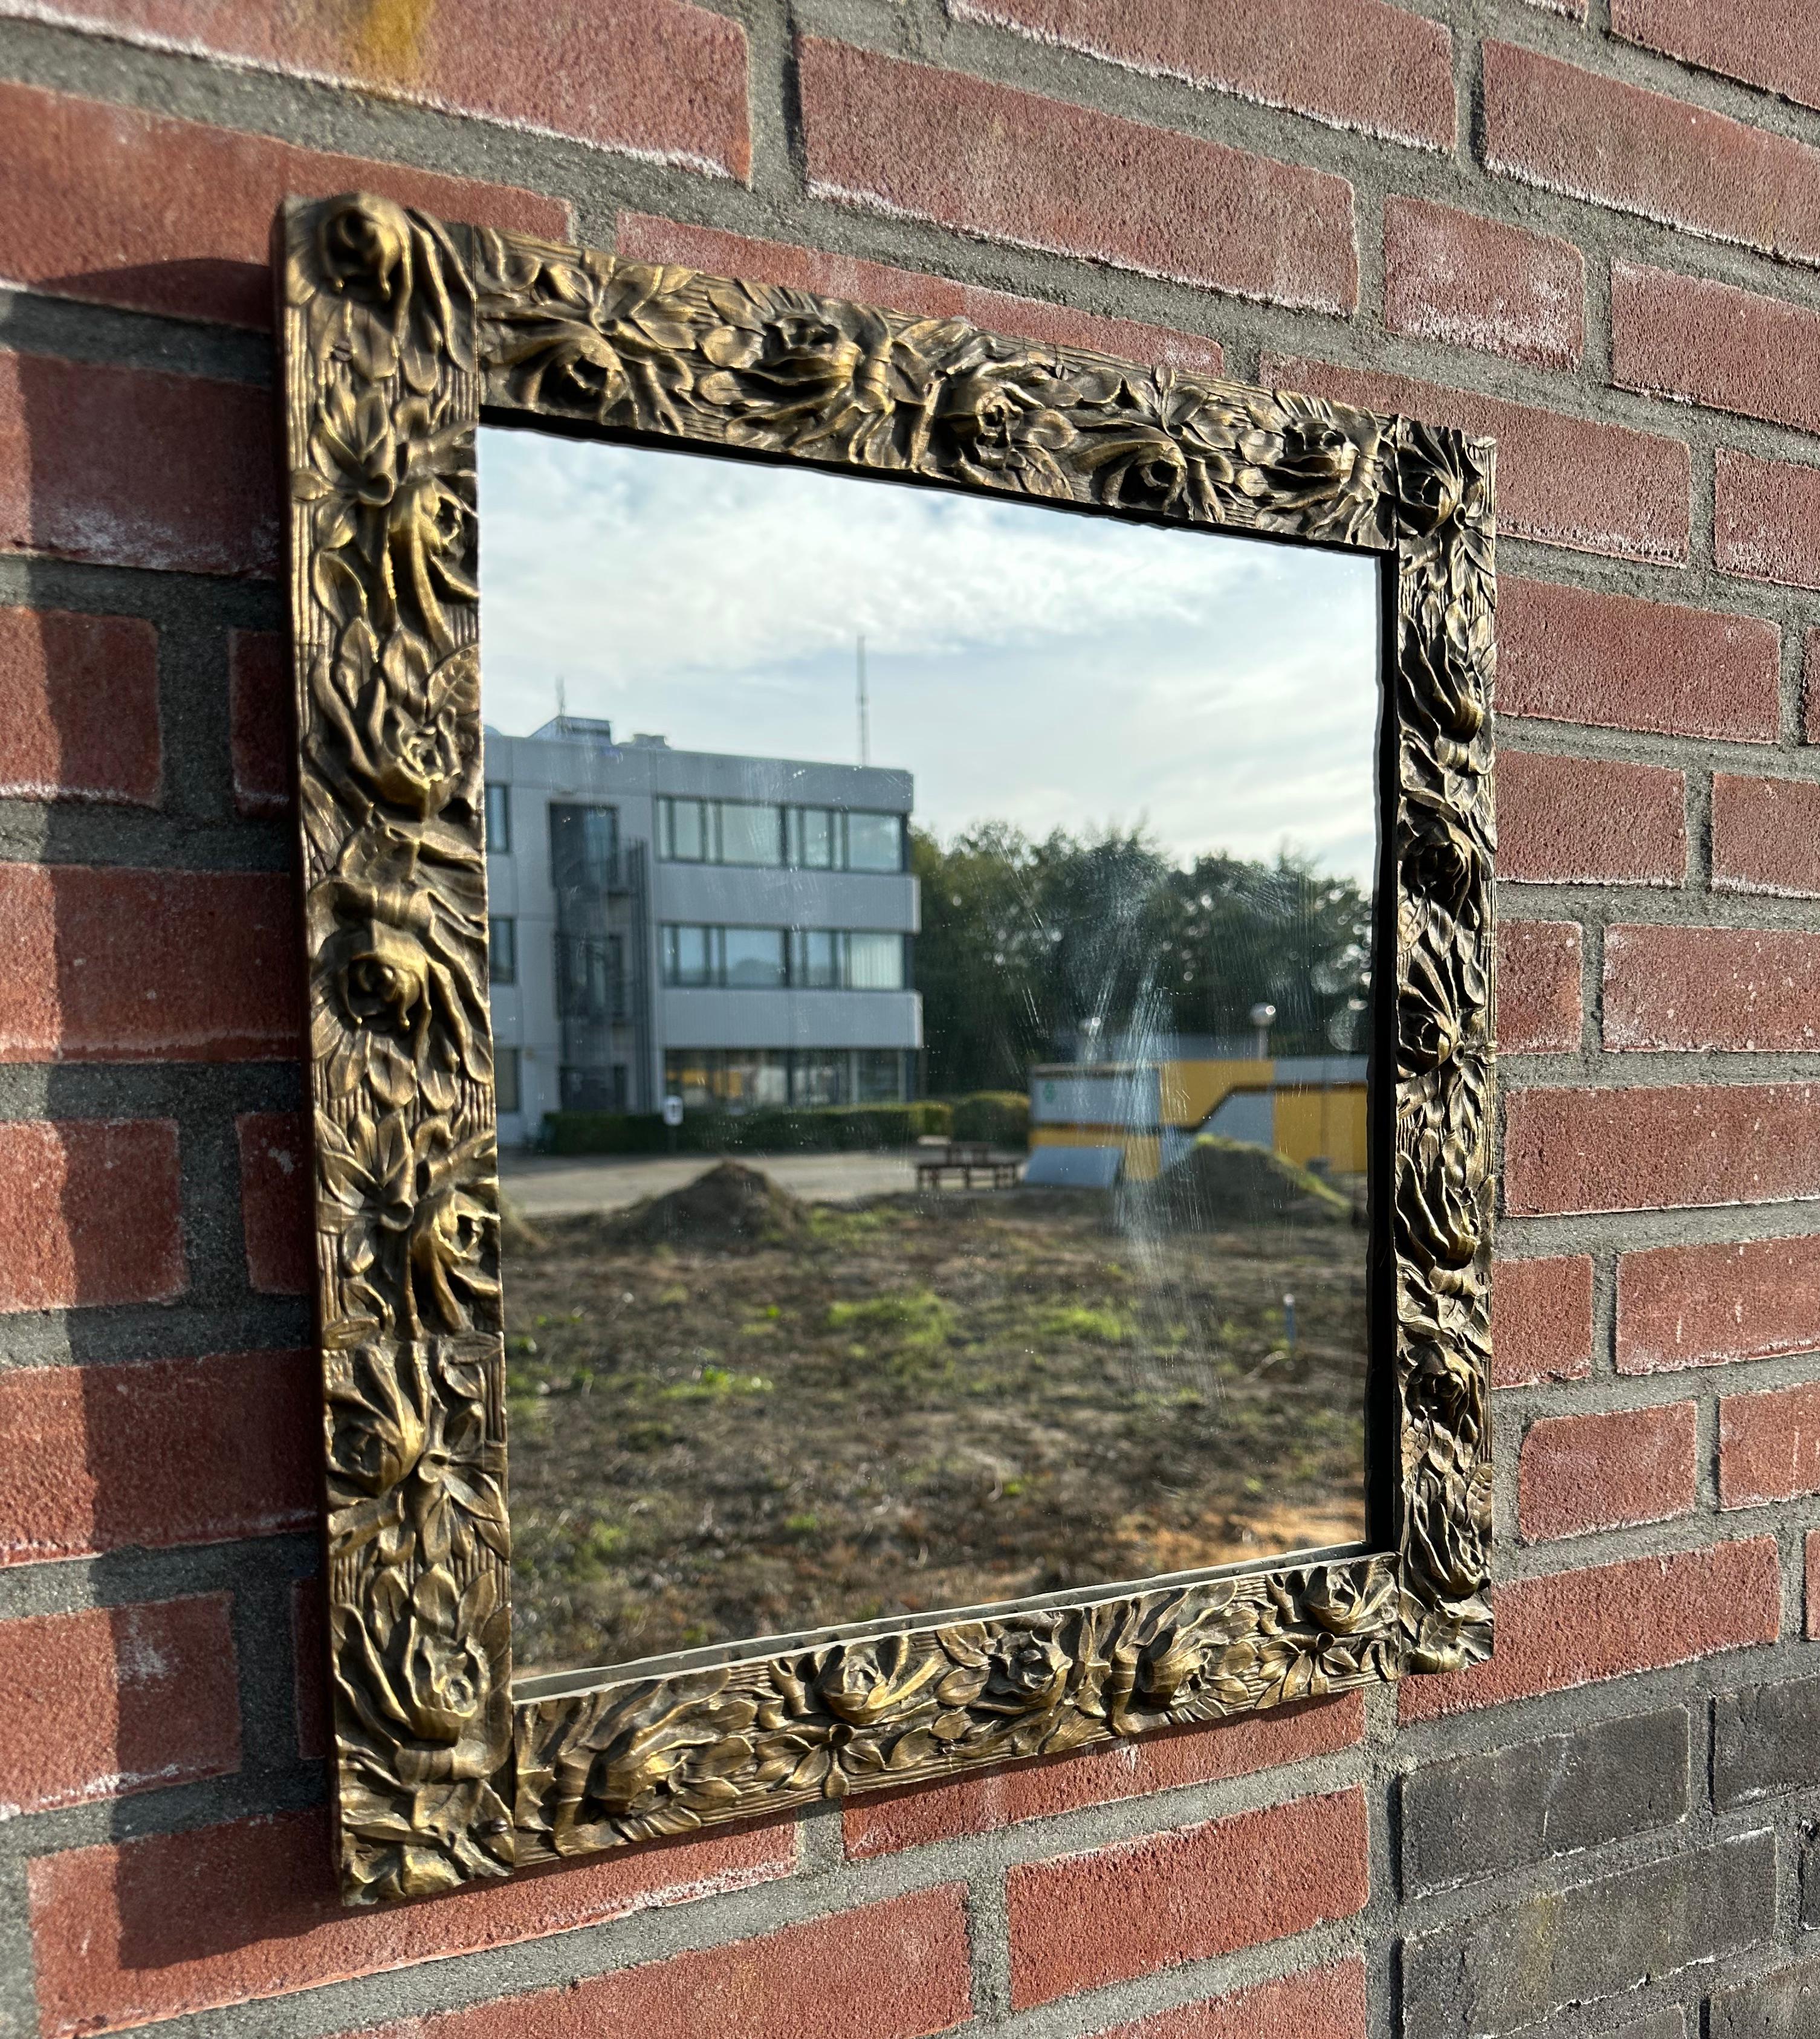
<point>815,962</point>
<point>741,832</point>
<point>747,1078</point>
<point>878,1075</point>
<point>501,951</point>
<point>498,821</point>
<point>875,842</point>
<point>874,962</point>
<point>771,958</point>
<point>753,958</point>
<point>506,1093</point>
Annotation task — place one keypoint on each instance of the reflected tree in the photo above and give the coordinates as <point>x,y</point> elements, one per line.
<point>1059,949</point>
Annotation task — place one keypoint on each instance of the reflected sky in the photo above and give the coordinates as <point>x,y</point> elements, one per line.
<point>1049,670</point>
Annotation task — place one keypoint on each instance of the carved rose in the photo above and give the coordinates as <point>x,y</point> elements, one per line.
<point>1162,444</point>
<point>1142,469</point>
<point>364,245</point>
<point>384,976</point>
<point>453,1219</point>
<point>413,1217</point>
<point>1447,509</point>
<point>1027,1673</point>
<point>422,761</point>
<point>864,1682</point>
<point>442,1682</point>
<point>792,372</point>
<point>1004,429</point>
<point>676,1767</point>
<point>398,485</point>
<point>399,986</point>
<point>1442,864</point>
<point>393,728</point>
<point>380,283</point>
<point>423,1669</point>
<point>411,1467</point>
<point>589,339</point>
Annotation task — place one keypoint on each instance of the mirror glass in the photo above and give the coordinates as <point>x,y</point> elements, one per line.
<point>931,975</point>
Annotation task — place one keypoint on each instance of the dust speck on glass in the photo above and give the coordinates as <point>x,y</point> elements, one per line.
<point>932,948</point>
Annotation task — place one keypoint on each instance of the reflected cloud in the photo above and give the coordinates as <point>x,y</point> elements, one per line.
<point>1027,664</point>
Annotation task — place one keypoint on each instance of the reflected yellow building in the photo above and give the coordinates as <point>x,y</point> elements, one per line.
<point>1310,1109</point>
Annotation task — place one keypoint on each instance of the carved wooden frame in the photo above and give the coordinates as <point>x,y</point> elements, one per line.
<point>397,329</point>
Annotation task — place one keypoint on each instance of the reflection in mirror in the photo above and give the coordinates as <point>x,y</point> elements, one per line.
<point>931,971</point>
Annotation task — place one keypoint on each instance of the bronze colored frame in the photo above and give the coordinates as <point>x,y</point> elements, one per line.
<point>397,330</point>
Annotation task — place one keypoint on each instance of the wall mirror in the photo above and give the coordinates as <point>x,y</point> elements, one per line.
<point>918,1047</point>
<point>881,835</point>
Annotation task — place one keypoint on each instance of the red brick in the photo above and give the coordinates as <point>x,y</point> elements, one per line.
<point>276,1209</point>
<point>1039,1791</point>
<point>1575,1474</point>
<point>1452,277</point>
<point>1764,513</point>
<point>1810,687</point>
<point>110,965</point>
<point>1111,1914</point>
<point>1567,130</point>
<point>1589,820</point>
<point>1764,835</point>
<point>1667,1148</point>
<point>1770,43</point>
<point>115,1700</point>
<point>1541,1320</point>
<point>1575,1628</point>
<point>1564,481</point>
<point>130,467</point>
<point>90,1209</point>
<point>1770,1445</point>
<point>1708,1305</point>
<point>1353,63</point>
<point>1568,655</point>
<point>646,238</point>
<point>79,706</point>
<point>120,206</point>
<point>906,138</point>
<point>310,1664</point>
<point>131,1931</point>
<point>1317,2003</point>
<point>1693,989</point>
<point>1538,986</point>
<point>1712,343</point>
<point>172,1450</point>
<point>655,79</point>
<point>262,720</point>
<point>895,1970</point>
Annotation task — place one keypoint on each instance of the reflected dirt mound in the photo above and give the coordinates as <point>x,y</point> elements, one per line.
<point>517,1236</point>
<point>1221,1182</point>
<point>731,1209</point>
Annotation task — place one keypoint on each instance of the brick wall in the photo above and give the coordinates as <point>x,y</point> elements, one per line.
<point>1591,227</point>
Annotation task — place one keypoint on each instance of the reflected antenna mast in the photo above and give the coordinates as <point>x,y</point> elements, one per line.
<point>860,678</point>
<point>561,707</point>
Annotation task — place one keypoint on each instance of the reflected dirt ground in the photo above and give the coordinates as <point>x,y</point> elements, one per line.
<point>747,1415</point>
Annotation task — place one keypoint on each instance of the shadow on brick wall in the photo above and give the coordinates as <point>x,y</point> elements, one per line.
<point>154,1013</point>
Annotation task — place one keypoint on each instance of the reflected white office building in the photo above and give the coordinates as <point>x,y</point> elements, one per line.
<point>734,930</point>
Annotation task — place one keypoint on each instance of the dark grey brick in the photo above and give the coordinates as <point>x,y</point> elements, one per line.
<point>1525,1962</point>
<point>1765,1738</point>
<point>1783,2006</point>
<point>1484,1814</point>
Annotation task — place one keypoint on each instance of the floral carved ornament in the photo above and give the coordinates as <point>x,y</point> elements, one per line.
<point>397,329</point>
